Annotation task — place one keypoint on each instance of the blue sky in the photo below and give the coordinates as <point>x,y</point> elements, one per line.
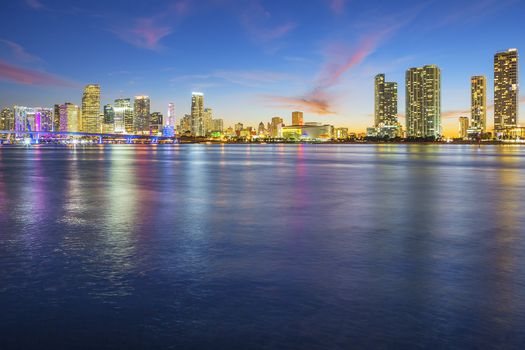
<point>253,59</point>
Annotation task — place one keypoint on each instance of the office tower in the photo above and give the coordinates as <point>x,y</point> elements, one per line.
<point>385,111</point>
<point>423,101</point>
<point>261,130</point>
<point>91,109</point>
<point>341,133</point>
<point>70,117</point>
<point>33,118</point>
<point>217,125</point>
<point>109,114</point>
<point>208,117</point>
<point>123,116</point>
<point>197,114</point>
<point>239,126</point>
<point>56,118</point>
<point>7,119</point>
<point>142,114</point>
<point>276,127</point>
<point>170,120</point>
<point>478,105</point>
<point>297,118</point>
<point>506,89</point>
<point>185,124</point>
<point>156,121</point>
<point>463,127</point>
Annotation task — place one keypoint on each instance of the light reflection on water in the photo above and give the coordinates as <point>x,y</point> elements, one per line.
<point>262,246</point>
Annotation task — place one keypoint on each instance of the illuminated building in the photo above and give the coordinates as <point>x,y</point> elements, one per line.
<point>123,116</point>
<point>423,101</point>
<point>91,109</point>
<point>56,118</point>
<point>217,125</point>
<point>207,120</point>
<point>141,117</point>
<point>197,115</point>
<point>171,120</point>
<point>239,126</point>
<point>276,127</point>
<point>385,111</point>
<point>185,125</point>
<point>70,116</point>
<point>7,119</point>
<point>33,119</point>
<point>156,122</point>
<point>478,106</point>
<point>261,130</point>
<point>341,133</point>
<point>297,118</point>
<point>109,114</point>
<point>463,127</point>
<point>506,89</point>
<point>308,132</point>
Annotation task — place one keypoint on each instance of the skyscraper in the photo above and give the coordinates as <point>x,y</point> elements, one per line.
<point>33,119</point>
<point>123,116</point>
<point>170,120</point>
<point>142,114</point>
<point>109,114</point>
<point>423,101</point>
<point>217,125</point>
<point>478,107</point>
<point>7,119</point>
<point>385,111</point>
<point>56,118</point>
<point>463,127</point>
<point>91,109</point>
<point>506,89</point>
<point>156,121</point>
<point>70,116</point>
<point>276,127</point>
<point>297,118</point>
<point>197,114</point>
<point>208,116</point>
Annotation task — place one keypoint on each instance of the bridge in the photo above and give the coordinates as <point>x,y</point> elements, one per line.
<point>35,136</point>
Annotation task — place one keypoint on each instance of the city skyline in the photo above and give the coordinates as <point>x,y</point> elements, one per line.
<point>278,65</point>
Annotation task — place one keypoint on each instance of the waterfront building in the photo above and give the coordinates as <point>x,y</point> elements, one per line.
<point>463,127</point>
<point>109,114</point>
<point>423,101</point>
<point>141,118</point>
<point>198,127</point>
<point>276,126</point>
<point>506,89</point>
<point>207,120</point>
<point>91,109</point>
<point>7,119</point>
<point>217,125</point>
<point>32,118</point>
<point>239,127</point>
<point>478,105</point>
<point>261,130</point>
<point>308,132</point>
<point>385,102</point>
<point>123,116</point>
<point>341,133</point>
<point>70,117</point>
<point>185,125</point>
<point>156,122</point>
<point>297,118</point>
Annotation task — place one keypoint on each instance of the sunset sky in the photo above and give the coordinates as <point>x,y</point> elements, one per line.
<point>253,59</point>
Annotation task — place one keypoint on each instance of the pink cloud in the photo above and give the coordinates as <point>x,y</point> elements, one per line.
<point>35,4</point>
<point>337,6</point>
<point>259,24</point>
<point>19,75</point>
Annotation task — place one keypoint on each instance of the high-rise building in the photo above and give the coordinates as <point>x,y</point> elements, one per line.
<point>423,102</point>
<point>142,114</point>
<point>70,117</point>
<point>91,109</point>
<point>261,130</point>
<point>33,119</point>
<point>478,106</point>
<point>170,120</point>
<point>123,116</point>
<point>506,89</point>
<point>185,125</point>
<point>56,118</point>
<point>463,127</point>
<point>109,114</point>
<point>239,126</point>
<point>7,119</point>
<point>385,111</point>
<point>276,127</point>
<point>197,114</point>
<point>297,118</point>
<point>217,125</point>
<point>156,122</point>
<point>208,117</point>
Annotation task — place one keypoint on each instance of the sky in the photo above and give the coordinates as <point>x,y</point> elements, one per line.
<point>253,59</point>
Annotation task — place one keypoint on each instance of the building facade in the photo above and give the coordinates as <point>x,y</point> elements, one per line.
<point>478,106</point>
<point>463,127</point>
<point>7,119</point>
<point>123,116</point>
<point>423,101</point>
<point>197,115</point>
<point>506,89</point>
<point>171,120</point>
<point>141,117</point>
<point>385,102</point>
<point>91,109</point>
<point>297,118</point>
<point>32,119</point>
<point>70,117</point>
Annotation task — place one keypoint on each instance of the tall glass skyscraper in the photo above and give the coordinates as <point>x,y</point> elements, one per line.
<point>385,111</point>
<point>506,89</point>
<point>197,114</point>
<point>478,106</point>
<point>123,116</point>
<point>170,120</point>
<point>142,114</point>
<point>423,101</point>
<point>297,118</point>
<point>91,109</point>
<point>70,117</point>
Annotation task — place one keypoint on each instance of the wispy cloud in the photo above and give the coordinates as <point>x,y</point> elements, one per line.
<point>255,78</point>
<point>147,32</point>
<point>35,4</point>
<point>337,6</point>
<point>19,52</point>
<point>472,10</point>
<point>19,75</point>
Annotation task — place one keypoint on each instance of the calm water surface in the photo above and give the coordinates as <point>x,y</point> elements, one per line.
<point>262,247</point>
